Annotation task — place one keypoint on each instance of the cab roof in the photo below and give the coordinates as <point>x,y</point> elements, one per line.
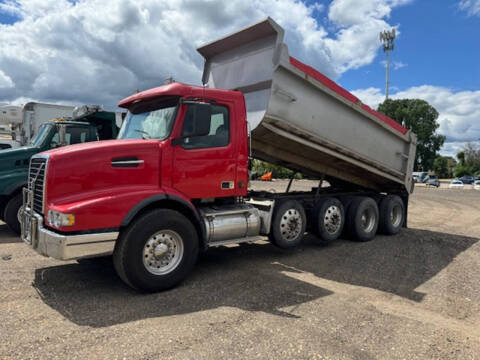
<point>67,121</point>
<point>180,90</point>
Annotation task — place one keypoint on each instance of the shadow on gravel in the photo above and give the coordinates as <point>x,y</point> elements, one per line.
<point>7,236</point>
<point>251,277</point>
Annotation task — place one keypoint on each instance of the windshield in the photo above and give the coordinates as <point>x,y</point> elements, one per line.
<point>41,136</point>
<point>149,121</point>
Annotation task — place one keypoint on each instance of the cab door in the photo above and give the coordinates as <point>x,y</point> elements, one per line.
<point>205,166</point>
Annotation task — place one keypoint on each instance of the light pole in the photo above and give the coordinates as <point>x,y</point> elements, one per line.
<point>387,37</point>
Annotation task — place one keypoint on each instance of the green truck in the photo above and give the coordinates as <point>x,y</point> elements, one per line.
<point>89,123</point>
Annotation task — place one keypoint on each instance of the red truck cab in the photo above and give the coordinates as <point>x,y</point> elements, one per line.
<point>179,146</point>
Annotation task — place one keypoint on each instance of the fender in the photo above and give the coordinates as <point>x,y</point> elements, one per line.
<point>198,223</point>
<point>13,181</point>
<point>17,188</point>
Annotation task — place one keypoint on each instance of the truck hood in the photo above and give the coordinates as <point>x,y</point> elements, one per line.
<point>14,168</point>
<point>9,157</point>
<point>97,169</point>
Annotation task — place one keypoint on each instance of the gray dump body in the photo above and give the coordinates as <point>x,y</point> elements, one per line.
<point>301,123</point>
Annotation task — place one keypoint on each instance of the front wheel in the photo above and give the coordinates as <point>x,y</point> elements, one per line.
<point>11,213</point>
<point>157,251</point>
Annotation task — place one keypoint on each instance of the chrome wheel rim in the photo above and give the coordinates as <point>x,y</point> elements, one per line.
<point>291,224</point>
<point>163,252</point>
<point>396,215</point>
<point>368,219</point>
<point>19,214</point>
<point>332,219</point>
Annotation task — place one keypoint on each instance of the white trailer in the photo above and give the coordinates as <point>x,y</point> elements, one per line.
<point>23,122</point>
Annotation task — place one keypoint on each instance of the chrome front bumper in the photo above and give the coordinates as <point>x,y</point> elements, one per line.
<point>62,247</point>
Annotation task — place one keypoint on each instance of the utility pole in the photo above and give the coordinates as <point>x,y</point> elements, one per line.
<point>387,37</point>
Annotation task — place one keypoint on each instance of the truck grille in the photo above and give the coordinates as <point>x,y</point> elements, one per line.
<point>37,167</point>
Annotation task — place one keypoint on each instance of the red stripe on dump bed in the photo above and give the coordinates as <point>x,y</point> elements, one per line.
<point>332,85</point>
<point>385,119</point>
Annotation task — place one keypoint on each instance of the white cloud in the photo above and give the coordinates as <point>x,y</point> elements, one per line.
<point>358,23</point>
<point>452,148</point>
<point>459,111</point>
<point>371,96</point>
<point>472,7</point>
<point>100,51</point>
<point>5,81</point>
<point>394,64</point>
<point>351,12</point>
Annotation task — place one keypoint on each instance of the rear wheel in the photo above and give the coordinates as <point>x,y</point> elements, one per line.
<point>157,251</point>
<point>392,213</point>
<point>328,219</point>
<point>10,214</point>
<point>362,219</point>
<point>288,224</point>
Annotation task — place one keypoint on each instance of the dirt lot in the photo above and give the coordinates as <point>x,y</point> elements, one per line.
<point>414,295</point>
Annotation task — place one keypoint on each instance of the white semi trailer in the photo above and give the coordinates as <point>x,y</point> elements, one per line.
<point>21,123</point>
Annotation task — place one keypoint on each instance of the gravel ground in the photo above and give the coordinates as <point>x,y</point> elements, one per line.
<point>414,295</point>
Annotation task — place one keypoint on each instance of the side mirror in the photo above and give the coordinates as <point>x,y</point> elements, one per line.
<point>198,116</point>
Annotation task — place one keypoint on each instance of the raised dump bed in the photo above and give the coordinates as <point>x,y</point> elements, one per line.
<point>301,119</point>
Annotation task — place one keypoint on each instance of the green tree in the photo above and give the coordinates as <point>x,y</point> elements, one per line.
<point>419,116</point>
<point>468,161</point>
<point>443,166</point>
<point>260,168</point>
<point>461,158</point>
<point>451,163</point>
<point>440,166</point>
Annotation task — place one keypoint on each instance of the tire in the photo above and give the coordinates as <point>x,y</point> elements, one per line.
<point>10,214</point>
<point>3,203</point>
<point>362,219</point>
<point>288,224</point>
<point>328,220</point>
<point>166,231</point>
<point>392,214</point>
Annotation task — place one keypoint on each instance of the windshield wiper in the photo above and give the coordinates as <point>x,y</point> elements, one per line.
<point>144,133</point>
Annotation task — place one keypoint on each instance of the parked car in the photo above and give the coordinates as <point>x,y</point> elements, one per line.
<point>421,176</point>
<point>433,181</point>
<point>467,179</point>
<point>476,185</point>
<point>456,184</point>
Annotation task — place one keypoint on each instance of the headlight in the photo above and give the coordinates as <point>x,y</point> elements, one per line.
<point>58,219</point>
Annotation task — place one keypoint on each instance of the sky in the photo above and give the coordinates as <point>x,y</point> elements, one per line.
<point>98,52</point>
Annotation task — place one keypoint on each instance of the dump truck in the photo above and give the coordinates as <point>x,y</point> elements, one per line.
<point>23,122</point>
<point>175,182</point>
<point>86,123</point>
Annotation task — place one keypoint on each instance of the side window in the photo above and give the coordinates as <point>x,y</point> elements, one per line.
<point>75,135</point>
<point>219,134</point>
<point>55,140</point>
